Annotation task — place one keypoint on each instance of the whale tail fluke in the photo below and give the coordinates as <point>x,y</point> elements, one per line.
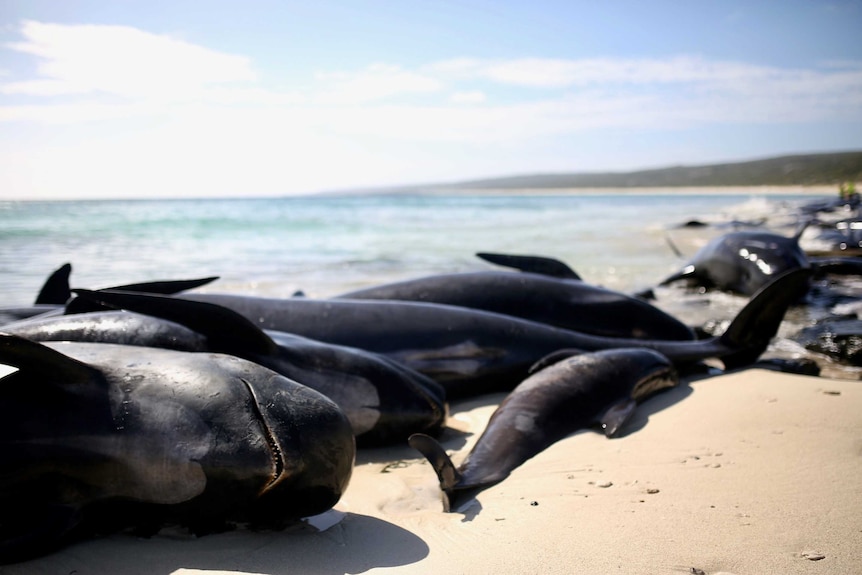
<point>446,471</point>
<point>754,327</point>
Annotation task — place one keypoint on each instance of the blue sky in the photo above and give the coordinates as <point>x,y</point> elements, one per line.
<point>223,98</point>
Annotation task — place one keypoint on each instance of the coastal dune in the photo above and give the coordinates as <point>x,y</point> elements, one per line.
<point>750,472</point>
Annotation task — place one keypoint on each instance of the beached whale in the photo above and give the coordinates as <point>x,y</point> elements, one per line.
<point>472,351</point>
<point>563,302</point>
<point>384,401</point>
<point>592,389</point>
<point>743,262</point>
<point>98,437</point>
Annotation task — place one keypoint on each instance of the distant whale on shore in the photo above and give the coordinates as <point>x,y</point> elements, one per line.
<point>744,262</point>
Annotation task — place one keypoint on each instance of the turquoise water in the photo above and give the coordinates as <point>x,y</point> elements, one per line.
<point>325,245</point>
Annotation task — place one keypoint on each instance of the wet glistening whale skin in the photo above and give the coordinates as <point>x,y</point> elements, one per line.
<point>95,437</point>
<point>384,401</point>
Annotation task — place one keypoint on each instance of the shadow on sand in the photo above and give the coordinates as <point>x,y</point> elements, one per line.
<point>356,544</point>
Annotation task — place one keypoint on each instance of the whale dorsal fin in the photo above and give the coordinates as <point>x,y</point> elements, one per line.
<point>56,290</point>
<point>532,264</point>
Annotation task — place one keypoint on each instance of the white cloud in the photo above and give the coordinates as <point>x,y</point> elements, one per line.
<point>120,60</point>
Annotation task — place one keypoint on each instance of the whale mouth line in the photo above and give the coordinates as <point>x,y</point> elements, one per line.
<point>271,441</point>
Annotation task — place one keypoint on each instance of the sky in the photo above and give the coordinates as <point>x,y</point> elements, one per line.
<point>179,98</point>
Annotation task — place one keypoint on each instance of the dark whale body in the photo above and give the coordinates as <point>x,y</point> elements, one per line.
<point>741,262</point>
<point>744,262</point>
<point>96,437</point>
<point>384,401</point>
<point>575,393</point>
<point>565,303</point>
<point>471,351</point>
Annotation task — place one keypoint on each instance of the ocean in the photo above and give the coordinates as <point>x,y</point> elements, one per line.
<point>323,245</point>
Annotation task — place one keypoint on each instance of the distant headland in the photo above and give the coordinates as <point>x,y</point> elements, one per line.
<point>806,170</point>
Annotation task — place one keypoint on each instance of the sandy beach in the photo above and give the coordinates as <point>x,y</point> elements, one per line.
<point>747,473</point>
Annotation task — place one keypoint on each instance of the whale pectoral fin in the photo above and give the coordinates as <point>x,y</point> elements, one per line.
<point>532,264</point>
<point>446,472</point>
<point>617,415</point>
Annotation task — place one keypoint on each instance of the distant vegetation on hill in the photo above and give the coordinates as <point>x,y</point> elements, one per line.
<point>782,171</point>
<point>798,170</point>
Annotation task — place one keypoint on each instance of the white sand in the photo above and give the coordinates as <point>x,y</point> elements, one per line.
<point>743,473</point>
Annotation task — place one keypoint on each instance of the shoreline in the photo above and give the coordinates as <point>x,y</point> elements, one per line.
<point>816,190</point>
<point>813,190</point>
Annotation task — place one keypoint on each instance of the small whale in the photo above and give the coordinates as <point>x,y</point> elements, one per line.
<point>600,388</point>
<point>384,400</point>
<point>744,262</point>
<point>100,437</point>
<point>555,299</point>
